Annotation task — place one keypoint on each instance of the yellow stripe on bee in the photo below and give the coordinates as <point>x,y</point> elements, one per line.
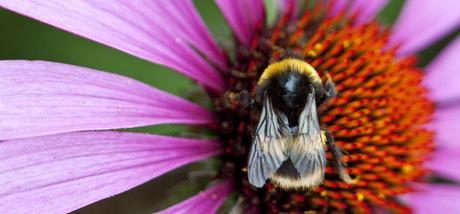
<point>289,64</point>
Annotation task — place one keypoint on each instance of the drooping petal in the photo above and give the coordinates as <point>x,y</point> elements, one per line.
<point>435,198</point>
<point>443,74</point>
<point>445,162</point>
<point>204,202</point>
<point>39,98</point>
<point>164,32</point>
<point>244,17</point>
<point>424,22</point>
<point>61,173</point>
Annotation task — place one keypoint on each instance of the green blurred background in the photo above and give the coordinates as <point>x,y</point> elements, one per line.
<point>23,38</point>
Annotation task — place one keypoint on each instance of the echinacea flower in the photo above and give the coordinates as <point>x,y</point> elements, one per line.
<point>396,122</point>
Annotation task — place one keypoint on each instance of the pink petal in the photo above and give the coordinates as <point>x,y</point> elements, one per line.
<point>61,173</point>
<point>204,202</point>
<point>337,6</point>
<point>243,16</point>
<point>435,198</point>
<point>443,74</point>
<point>446,127</point>
<point>424,22</point>
<point>445,162</point>
<point>286,6</point>
<point>159,31</point>
<point>39,98</point>
<point>367,10</point>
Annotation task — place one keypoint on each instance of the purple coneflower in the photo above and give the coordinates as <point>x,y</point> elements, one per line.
<point>397,123</point>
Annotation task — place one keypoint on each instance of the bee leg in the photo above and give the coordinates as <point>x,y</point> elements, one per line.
<point>338,163</point>
<point>241,100</point>
<point>331,90</point>
<point>245,99</point>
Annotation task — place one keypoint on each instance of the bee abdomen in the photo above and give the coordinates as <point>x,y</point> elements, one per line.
<point>288,177</point>
<point>288,170</point>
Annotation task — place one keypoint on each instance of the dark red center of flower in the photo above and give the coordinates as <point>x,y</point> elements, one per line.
<point>377,118</point>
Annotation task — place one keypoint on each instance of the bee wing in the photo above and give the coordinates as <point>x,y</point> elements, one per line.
<point>307,151</point>
<point>268,150</point>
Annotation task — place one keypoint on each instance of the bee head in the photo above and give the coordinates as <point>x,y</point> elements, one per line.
<point>289,90</point>
<point>288,84</point>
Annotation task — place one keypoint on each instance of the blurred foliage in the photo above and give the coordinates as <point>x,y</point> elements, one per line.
<point>429,53</point>
<point>23,38</point>
<point>390,13</point>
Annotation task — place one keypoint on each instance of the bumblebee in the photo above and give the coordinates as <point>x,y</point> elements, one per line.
<point>289,144</point>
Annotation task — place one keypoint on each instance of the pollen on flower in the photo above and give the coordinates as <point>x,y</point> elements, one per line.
<point>377,118</point>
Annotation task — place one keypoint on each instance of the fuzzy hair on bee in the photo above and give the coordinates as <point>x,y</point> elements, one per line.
<point>289,146</point>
